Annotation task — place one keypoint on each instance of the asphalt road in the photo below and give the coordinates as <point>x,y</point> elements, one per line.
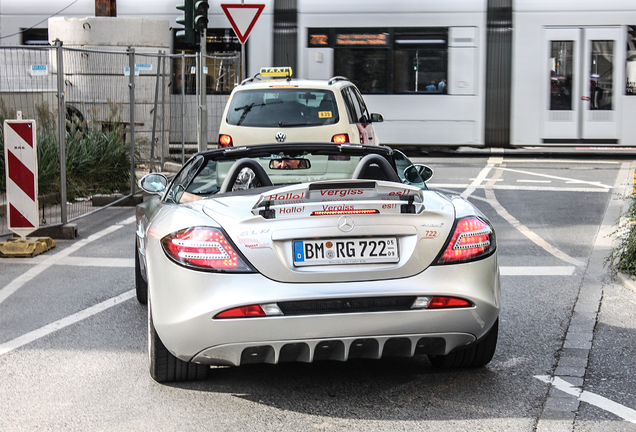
<point>73,338</point>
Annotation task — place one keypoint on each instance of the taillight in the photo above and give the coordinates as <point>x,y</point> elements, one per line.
<point>251,311</point>
<point>203,248</point>
<point>472,239</point>
<point>440,302</point>
<point>340,138</point>
<point>242,312</point>
<point>225,141</point>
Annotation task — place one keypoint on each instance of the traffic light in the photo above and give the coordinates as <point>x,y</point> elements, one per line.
<point>188,34</point>
<point>201,15</point>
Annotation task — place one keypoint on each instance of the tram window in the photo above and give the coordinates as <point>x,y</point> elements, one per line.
<point>630,71</point>
<point>602,66</point>
<point>411,60</point>
<point>561,67</point>
<point>420,60</point>
<point>365,67</point>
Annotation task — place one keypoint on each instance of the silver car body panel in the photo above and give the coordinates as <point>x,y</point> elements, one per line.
<point>185,301</point>
<point>183,311</point>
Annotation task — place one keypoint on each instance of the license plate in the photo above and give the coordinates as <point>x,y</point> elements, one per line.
<point>346,251</point>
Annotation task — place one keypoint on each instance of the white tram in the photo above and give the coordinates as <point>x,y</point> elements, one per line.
<point>492,73</point>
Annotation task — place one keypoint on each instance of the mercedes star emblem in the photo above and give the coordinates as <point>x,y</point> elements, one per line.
<point>345,224</point>
<point>280,136</point>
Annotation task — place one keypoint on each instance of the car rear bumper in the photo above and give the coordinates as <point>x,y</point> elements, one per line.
<point>184,303</point>
<point>340,349</point>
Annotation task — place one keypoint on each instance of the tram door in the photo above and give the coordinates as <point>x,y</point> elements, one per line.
<point>584,81</point>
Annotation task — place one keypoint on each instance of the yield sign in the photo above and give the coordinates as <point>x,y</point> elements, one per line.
<point>242,17</point>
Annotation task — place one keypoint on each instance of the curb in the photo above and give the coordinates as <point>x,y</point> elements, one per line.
<point>561,408</point>
<point>627,281</point>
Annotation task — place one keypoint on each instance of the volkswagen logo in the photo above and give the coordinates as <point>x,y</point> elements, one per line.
<point>345,224</point>
<point>280,136</point>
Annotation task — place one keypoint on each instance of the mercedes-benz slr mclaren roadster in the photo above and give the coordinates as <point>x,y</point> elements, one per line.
<point>305,252</point>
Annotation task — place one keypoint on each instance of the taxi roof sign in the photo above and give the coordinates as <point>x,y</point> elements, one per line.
<point>276,71</point>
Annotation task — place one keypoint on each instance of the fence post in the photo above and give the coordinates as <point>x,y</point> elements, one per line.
<point>61,128</point>
<point>183,107</point>
<point>203,142</point>
<point>154,117</point>
<point>197,86</point>
<point>131,85</point>
<point>163,110</point>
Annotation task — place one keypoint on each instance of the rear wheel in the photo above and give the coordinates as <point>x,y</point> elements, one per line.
<point>164,367</point>
<point>141,286</point>
<point>476,355</point>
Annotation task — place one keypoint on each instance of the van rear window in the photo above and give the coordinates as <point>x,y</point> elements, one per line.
<point>283,107</point>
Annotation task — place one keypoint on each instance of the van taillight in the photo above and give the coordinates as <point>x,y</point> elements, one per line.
<point>225,141</point>
<point>340,138</point>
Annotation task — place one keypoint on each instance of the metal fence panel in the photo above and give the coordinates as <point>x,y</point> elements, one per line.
<point>97,97</point>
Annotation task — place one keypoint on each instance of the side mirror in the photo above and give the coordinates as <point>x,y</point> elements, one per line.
<point>154,183</point>
<point>376,118</point>
<point>424,171</point>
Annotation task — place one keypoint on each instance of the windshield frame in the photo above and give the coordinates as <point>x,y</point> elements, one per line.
<point>267,152</point>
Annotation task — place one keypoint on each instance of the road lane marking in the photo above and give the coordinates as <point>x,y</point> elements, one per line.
<point>97,262</point>
<point>518,188</point>
<point>64,322</point>
<point>20,281</point>
<point>601,402</point>
<point>492,200</point>
<point>75,261</point>
<point>565,179</point>
<point>560,161</point>
<point>548,188</point>
<point>130,263</point>
<point>490,164</point>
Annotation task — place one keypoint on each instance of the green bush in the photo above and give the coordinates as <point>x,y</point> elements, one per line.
<point>97,158</point>
<point>623,256</point>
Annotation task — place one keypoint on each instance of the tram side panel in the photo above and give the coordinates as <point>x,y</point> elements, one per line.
<point>569,74</point>
<point>414,116</point>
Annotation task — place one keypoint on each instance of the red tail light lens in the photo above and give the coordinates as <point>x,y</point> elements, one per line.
<point>203,248</point>
<point>472,239</point>
<point>225,141</point>
<point>243,312</point>
<point>340,138</point>
<point>438,302</point>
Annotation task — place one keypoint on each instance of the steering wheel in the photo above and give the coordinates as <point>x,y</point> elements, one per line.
<point>235,169</point>
<point>364,169</point>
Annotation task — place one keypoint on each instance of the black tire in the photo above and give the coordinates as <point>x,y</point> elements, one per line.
<point>141,286</point>
<point>475,355</point>
<point>164,367</point>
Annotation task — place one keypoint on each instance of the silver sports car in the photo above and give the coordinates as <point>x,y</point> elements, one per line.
<point>278,252</point>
